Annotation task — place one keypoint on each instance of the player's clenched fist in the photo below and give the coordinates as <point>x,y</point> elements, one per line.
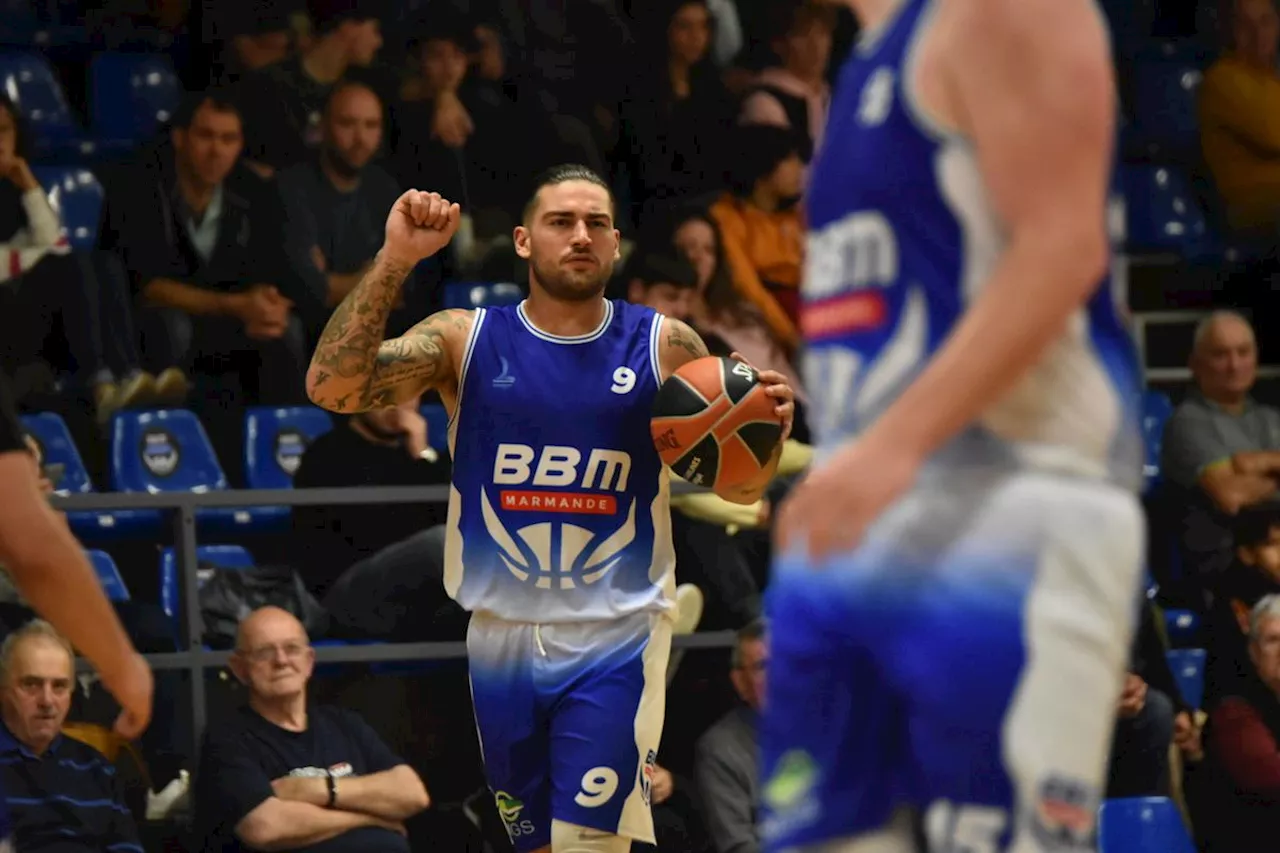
<point>420,224</point>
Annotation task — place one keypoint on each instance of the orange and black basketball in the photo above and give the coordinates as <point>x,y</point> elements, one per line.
<point>714,424</point>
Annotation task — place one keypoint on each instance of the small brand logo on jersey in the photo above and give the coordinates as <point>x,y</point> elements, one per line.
<point>509,809</point>
<point>503,379</point>
<point>877,98</point>
<point>840,315</point>
<point>1063,817</point>
<point>647,772</point>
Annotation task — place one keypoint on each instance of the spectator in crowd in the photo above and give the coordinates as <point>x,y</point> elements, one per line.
<point>283,103</point>
<point>1242,809</point>
<point>203,243</point>
<point>41,283</point>
<point>718,311</point>
<point>1239,102</point>
<point>63,796</point>
<point>663,281</point>
<point>335,206</point>
<point>253,36</point>
<point>676,112</point>
<point>794,94</point>
<point>760,229</point>
<point>727,763</point>
<point>455,135</point>
<point>1254,573</point>
<point>1152,714</point>
<point>286,774</point>
<point>383,447</point>
<point>1221,449</point>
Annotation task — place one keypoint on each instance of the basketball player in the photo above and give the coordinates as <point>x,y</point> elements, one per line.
<point>49,568</point>
<point>951,610</point>
<point>559,537</point>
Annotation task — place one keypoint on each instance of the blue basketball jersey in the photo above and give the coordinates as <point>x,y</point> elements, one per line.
<point>558,510</point>
<point>902,239</point>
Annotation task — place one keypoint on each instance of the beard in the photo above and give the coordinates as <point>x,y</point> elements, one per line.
<point>569,284</point>
<point>340,164</point>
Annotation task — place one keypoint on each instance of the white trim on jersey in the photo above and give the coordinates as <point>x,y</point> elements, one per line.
<point>655,336</point>
<point>467,349</point>
<point>566,339</point>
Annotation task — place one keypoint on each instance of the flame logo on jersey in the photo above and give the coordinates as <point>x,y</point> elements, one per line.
<point>582,558</point>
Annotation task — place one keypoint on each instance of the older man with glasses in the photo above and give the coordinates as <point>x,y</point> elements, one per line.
<point>286,774</point>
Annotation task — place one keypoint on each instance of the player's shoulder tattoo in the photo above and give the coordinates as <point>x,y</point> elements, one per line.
<point>680,335</point>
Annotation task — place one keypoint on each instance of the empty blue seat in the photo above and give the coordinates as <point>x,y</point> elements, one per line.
<point>109,575</point>
<point>1187,666</point>
<point>1162,214</point>
<point>77,197</point>
<point>1156,409</point>
<point>1182,626</point>
<point>168,451</point>
<point>30,80</point>
<point>274,441</point>
<point>1142,825</point>
<point>437,426</point>
<point>221,556</point>
<point>132,96</point>
<point>1165,114</point>
<point>475,294</point>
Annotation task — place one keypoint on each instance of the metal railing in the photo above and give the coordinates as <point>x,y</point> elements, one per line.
<point>195,659</point>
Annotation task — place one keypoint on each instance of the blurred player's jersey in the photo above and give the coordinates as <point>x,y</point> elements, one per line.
<point>558,510</point>
<point>902,239</point>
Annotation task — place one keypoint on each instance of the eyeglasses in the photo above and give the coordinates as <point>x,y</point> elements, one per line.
<point>263,654</point>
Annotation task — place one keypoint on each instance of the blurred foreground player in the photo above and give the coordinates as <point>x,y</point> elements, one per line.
<point>49,568</point>
<point>957,577</point>
<point>559,530</point>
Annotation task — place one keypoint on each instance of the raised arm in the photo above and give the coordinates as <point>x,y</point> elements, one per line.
<point>353,368</point>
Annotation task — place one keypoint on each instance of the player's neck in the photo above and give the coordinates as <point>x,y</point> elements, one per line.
<point>560,317</point>
<point>872,13</point>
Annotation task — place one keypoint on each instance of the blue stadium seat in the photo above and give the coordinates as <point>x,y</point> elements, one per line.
<point>274,441</point>
<point>131,96</point>
<point>222,556</point>
<point>1187,666</point>
<point>109,575</point>
<point>1165,112</point>
<point>18,22</point>
<point>30,80</point>
<point>474,294</point>
<point>1183,627</point>
<point>1142,825</point>
<point>77,197</point>
<point>1162,213</point>
<point>437,426</point>
<point>168,451</point>
<point>1156,409</point>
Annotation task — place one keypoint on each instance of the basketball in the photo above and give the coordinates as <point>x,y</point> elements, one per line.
<point>714,424</point>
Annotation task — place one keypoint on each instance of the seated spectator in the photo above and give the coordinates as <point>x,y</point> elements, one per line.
<point>1253,574</point>
<point>455,134</point>
<point>676,112</point>
<point>379,448</point>
<point>794,94</point>
<point>336,207</point>
<point>283,103</point>
<point>42,285</point>
<point>1221,449</point>
<point>760,228</point>
<point>286,774</point>
<point>1242,809</point>
<point>727,761</point>
<point>62,795</point>
<point>202,242</point>
<point>1152,715</point>
<point>1239,105</point>
<point>253,36</point>
<point>662,281</point>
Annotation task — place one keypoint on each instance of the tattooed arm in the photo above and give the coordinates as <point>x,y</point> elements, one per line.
<point>354,369</point>
<point>678,345</point>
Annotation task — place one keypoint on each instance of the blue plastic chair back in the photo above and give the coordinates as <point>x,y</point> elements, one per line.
<point>59,448</point>
<point>437,426</point>
<point>1142,825</point>
<point>77,196</point>
<point>222,556</point>
<point>472,294</point>
<point>1187,666</point>
<point>109,575</point>
<point>163,451</point>
<point>1162,213</point>
<point>1156,409</point>
<point>29,79</point>
<point>1182,627</point>
<point>276,438</point>
<point>1165,111</point>
<point>132,95</point>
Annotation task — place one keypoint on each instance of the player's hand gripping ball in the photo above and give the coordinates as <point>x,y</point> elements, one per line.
<point>715,424</point>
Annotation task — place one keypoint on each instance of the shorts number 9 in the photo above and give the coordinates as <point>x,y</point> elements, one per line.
<point>598,785</point>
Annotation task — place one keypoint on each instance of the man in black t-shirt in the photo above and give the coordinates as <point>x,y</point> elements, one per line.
<point>50,570</point>
<point>282,774</point>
